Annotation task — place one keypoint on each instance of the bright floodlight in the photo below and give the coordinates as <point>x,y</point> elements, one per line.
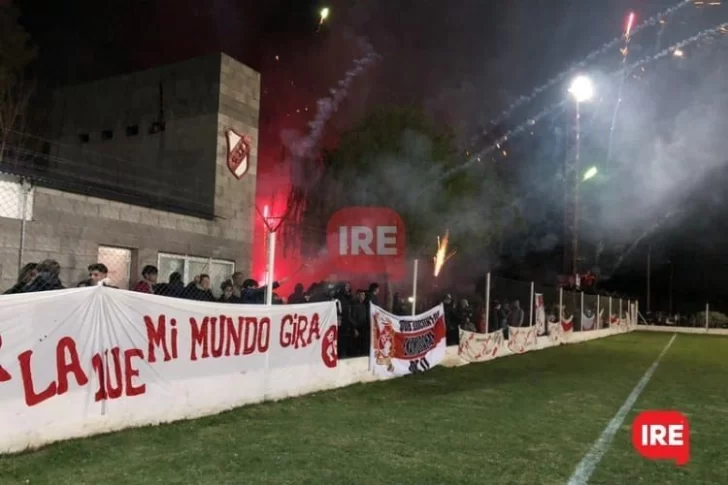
<point>590,173</point>
<point>581,89</point>
<point>324,13</point>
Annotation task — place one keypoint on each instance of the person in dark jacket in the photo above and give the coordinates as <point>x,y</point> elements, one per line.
<point>199,289</point>
<point>373,295</point>
<point>452,320</point>
<point>253,294</point>
<point>175,288</point>
<point>27,274</point>
<point>228,293</point>
<point>359,312</point>
<point>298,296</point>
<point>47,279</point>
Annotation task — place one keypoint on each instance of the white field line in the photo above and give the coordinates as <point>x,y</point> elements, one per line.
<point>591,460</point>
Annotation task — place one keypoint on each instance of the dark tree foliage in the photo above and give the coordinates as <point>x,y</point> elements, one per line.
<point>396,157</point>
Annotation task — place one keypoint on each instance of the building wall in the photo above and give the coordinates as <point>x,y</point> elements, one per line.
<point>70,227</point>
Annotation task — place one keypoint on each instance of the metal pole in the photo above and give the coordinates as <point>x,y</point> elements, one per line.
<point>414,289</point>
<point>619,316</point>
<point>672,271</point>
<point>707,316</point>
<point>26,192</point>
<point>561,305</point>
<point>577,157</point>
<point>609,317</point>
<point>487,301</point>
<point>649,272</point>
<point>581,314</point>
<point>271,263</point>
<point>598,316</point>
<point>530,315</point>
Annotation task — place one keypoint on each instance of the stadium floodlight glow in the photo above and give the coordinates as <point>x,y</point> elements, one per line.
<point>590,173</point>
<point>581,89</point>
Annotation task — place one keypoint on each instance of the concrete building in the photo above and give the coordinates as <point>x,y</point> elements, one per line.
<point>136,173</point>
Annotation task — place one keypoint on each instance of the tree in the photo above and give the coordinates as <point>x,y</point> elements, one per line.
<point>16,53</point>
<point>396,157</point>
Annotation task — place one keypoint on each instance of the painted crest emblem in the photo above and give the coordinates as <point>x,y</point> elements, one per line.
<point>238,153</point>
<point>384,338</point>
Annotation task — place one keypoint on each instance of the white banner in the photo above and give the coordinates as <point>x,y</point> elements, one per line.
<point>540,313</point>
<point>521,339</point>
<point>479,347</point>
<point>70,359</point>
<point>406,345</point>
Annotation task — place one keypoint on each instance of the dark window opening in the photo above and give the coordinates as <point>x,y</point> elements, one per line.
<point>84,137</point>
<point>132,130</point>
<point>107,134</point>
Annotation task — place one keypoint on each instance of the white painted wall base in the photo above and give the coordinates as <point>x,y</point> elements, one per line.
<point>214,395</point>
<point>692,330</point>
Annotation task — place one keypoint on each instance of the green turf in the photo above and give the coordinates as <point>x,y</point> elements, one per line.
<point>526,419</point>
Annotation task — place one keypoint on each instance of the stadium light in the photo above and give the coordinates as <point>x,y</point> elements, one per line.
<point>591,173</point>
<point>581,89</point>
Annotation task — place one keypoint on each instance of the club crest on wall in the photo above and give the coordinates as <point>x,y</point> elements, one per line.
<point>238,153</point>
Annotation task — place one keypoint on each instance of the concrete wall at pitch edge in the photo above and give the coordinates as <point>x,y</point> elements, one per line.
<point>267,385</point>
<point>205,96</point>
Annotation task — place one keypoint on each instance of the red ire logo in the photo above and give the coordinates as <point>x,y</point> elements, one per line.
<point>662,435</point>
<point>368,240</point>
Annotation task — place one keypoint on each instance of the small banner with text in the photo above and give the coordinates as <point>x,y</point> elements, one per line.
<point>406,345</point>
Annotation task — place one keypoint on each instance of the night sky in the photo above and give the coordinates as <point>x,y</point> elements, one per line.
<point>463,61</point>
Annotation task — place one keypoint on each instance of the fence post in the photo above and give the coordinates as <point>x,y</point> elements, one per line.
<point>707,316</point>
<point>609,317</point>
<point>581,312</point>
<point>619,315</point>
<point>414,288</point>
<point>561,305</point>
<point>598,316</point>
<point>487,301</point>
<point>25,187</point>
<point>530,314</point>
<point>271,263</point>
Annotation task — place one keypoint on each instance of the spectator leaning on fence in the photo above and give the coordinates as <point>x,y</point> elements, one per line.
<point>98,275</point>
<point>27,274</point>
<point>47,278</point>
<point>148,281</point>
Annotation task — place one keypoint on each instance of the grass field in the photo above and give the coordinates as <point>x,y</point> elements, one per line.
<point>525,420</point>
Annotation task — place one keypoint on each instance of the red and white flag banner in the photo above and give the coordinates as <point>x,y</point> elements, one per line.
<point>540,313</point>
<point>521,339</point>
<point>406,345</point>
<point>479,347</point>
<point>71,359</point>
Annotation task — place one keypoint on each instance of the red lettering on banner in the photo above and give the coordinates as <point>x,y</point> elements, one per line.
<point>73,366</point>
<point>31,397</point>
<point>198,337</point>
<point>157,336</point>
<point>218,336</point>
<point>263,332</point>
<point>124,373</point>
<point>251,332</point>
<point>298,332</point>
<point>4,375</point>
<point>234,335</point>
<point>130,373</point>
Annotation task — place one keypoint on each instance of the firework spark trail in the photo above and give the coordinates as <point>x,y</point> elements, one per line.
<point>625,54</point>
<point>326,107</point>
<point>548,110</point>
<point>583,63</point>
<point>632,246</point>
